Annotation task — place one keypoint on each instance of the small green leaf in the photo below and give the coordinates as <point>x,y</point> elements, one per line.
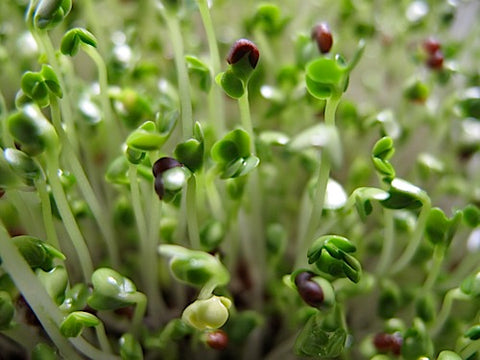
<point>36,252</point>
<point>201,70</point>
<point>55,282</point>
<point>73,38</point>
<point>23,165</point>
<point>473,333</point>
<point>439,229</point>
<point>404,195</point>
<point>74,323</point>
<point>146,138</point>
<point>318,341</point>
<point>471,215</point>
<point>190,153</point>
<point>130,348</point>
<point>111,290</point>
<point>448,355</point>
<point>51,81</point>
<point>383,148</point>
<point>231,84</point>
<point>7,310</point>
<point>206,314</point>
<point>471,285</point>
<point>49,13</point>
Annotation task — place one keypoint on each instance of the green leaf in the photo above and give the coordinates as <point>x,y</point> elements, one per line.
<point>117,171</point>
<point>31,130</point>
<point>404,195</point>
<point>75,298</point>
<point>130,348</point>
<point>325,71</point>
<point>473,333</point>
<point>201,70</point>
<point>49,13</point>
<point>471,285</point>
<point>51,81</point>
<point>7,310</point>
<point>195,267</point>
<point>55,282</point>
<point>439,229</point>
<point>190,153</point>
<point>448,355</point>
<point>383,148</point>
<point>36,252</point>
<point>73,38</point>
<point>111,290</point>
<point>23,165</point>
<point>146,138</point>
<point>471,215</point>
<point>74,323</point>
<point>318,341</point>
<point>231,84</point>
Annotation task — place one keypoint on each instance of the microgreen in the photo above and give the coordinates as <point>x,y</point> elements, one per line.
<point>221,180</point>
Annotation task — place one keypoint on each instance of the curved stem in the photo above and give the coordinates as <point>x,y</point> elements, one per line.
<point>321,186</point>
<point>246,119</point>
<point>102,338</point>
<point>388,243</point>
<point>68,219</point>
<point>216,103</point>
<point>34,293</point>
<point>140,308</point>
<point>113,134</point>
<point>99,211</point>
<point>173,26</point>
<point>415,239</point>
<point>52,238</point>
<point>451,295</point>
<point>435,267</point>
<point>192,221</point>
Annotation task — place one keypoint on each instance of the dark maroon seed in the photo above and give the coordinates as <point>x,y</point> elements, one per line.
<point>322,35</point>
<point>311,293</point>
<point>383,341</point>
<point>217,339</point>
<point>435,61</point>
<point>397,342</point>
<point>303,277</point>
<point>431,45</point>
<point>159,189</point>
<point>163,164</point>
<point>241,48</point>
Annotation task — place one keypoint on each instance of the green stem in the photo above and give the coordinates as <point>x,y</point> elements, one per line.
<point>103,339</point>
<point>321,186</point>
<point>453,294</point>
<point>415,239</point>
<point>173,26</point>
<point>212,194</point>
<point>138,315</point>
<point>99,211</point>
<point>113,134</point>
<point>388,243</point>
<point>216,103</point>
<point>435,267</point>
<point>246,119</point>
<point>6,137</point>
<point>52,238</point>
<point>68,219</point>
<point>148,246</point>
<point>34,293</point>
<point>45,42</point>
<point>192,221</point>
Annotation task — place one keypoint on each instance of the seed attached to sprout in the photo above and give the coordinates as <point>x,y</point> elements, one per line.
<point>241,48</point>
<point>309,290</point>
<point>322,35</point>
<point>217,339</point>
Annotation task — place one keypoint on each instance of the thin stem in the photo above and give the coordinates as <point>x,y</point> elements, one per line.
<point>415,239</point>
<point>453,294</point>
<point>148,248</point>
<point>245,117</point>
<point>102,338</point>
<point>435,267</point>
<point>99,211</point>
<point>113,132</point>
<point>192,221</point>
<point>33,292</point>
<point>69,221</point>
<point>138,315</point>
<point>216,103</point>
<point>388,243</point>
<point>173,26</point>
<point>52,238</point>
<point>321,186</point>
<point>6,137</point>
